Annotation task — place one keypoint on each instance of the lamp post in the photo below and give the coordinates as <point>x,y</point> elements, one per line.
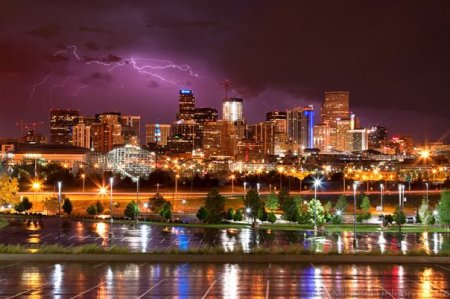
<point>36,186</point>
<point>401,190</point>
<point>157,187</point>
<point>426,184</point>
<point>146,211</point>
<point>355,185</point>
<point>83,177</point>
<point>381,196</point>
<point>59,198</point>
<point>177,176</point>
<point>316,184</point>
<point>137,196</point>
<point>111,181</point>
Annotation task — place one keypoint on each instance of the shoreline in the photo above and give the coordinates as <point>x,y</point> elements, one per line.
<point>227,258</point>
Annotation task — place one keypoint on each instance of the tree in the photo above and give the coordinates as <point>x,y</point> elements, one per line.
<point>365,208</point>
<point>99,207</point>
<point>132,210</point>
<point>327,208</point>
<point>282,196</point>
<point>290,209</point>
<point>272,203</point>
<point>262,214</point>
<point>156,202</point>
<point>424,212</point>
<point>444,208</point>
<point>202,214</point>
<point>271,217</point>
<point>399,216</point>
<point>27,204</point>
<point>92,210</point>
<point>315,204</point>
<point>341,204</point>
<point>67,206</point>
<point>214,206</point>
<point>253,203</point>
<point>9,189</point>
<point>230,214</point>
<point>166,211</point>
<point>24,205</point>
<point>238,215</point>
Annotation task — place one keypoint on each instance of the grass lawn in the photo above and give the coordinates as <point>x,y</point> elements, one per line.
<point>3,223</point>
<point>362,228</point>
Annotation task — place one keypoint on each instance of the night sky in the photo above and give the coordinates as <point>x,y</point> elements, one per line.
<point>134,56</point>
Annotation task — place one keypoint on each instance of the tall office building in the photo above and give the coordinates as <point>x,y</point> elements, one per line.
<point>322,137</point>
<point>378,136</point>
<point>300,127</point>
<point>133,123</point>
<point>61,125</point>
<point>205,114</point>
<point>157,134</point>
<point>335,105</point>
<point>186,109</point>
<point>357,140</point>
<point>307,127</point>
<point>232,109</point>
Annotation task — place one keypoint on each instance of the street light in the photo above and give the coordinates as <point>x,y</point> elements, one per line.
<point>59,198</point>
<point>316,184</point>
<point>83,177</point>
<point>232,177</point>
<point>426,184</point>
<point>146,211</point>
<point>401,192</point>
<point>355,185</point>
<point>111,181</point>
<point>381,195</point>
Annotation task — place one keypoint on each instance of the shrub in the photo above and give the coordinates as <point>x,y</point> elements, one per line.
<point>230,214</point>
<point>202,214</point>
<point>238,215</point>
<point>132,210</point>
<point>67,206</point>
<point>99,207</point>
<point>92,210</point>
<point>271,217</point>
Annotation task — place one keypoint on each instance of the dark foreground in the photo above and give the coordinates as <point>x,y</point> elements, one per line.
<point>130,280</point>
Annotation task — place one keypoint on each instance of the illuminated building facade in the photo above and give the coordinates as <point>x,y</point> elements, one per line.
<point>62,122</point>
<point>157,134</point>
<point>322,137</point>
<point>335,106</point>
<point>357,140</point>
<point>378,136</point>
<point>186,109</point>
<point>232,109</point>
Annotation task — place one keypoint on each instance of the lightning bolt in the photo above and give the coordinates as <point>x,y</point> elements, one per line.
<point>146,66</point>
<point>35,86</point>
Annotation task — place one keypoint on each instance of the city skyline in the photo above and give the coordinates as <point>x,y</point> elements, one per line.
<point>116,58</point>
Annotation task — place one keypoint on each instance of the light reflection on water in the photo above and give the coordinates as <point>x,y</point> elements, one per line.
<point>145,237</point>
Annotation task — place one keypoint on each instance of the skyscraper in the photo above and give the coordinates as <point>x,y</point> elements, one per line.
<point>61,125</point>
<point>157,134</point>
<point>300,127</point>
<point>335,105</point>
<point>307,128</point>
<point>232,109</point>
<point>187,105</point>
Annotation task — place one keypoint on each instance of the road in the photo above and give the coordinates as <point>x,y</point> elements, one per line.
<point>129,280</point>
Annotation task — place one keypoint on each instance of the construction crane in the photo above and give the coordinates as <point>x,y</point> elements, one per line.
<point>226,86</point>
<point>24,125</point>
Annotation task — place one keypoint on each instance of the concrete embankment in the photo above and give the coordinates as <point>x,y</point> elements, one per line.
<point>226,258</point>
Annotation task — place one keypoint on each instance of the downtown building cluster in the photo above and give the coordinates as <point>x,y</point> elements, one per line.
<point>213,142</point>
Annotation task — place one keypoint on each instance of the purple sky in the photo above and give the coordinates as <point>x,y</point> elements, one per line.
<point>133,57</point>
